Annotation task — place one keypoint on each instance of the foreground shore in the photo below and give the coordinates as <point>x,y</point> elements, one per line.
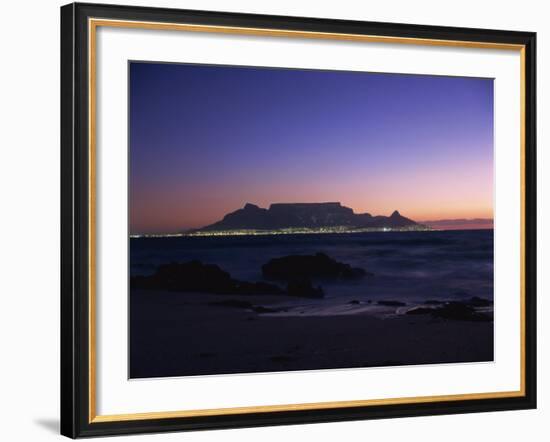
<point>182,334</point>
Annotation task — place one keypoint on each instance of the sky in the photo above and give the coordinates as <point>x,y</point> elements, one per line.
<point>206,139</point>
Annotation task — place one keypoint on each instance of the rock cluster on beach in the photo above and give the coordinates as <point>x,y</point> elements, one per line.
<point>303,287</point>
<point>456,310</point>
<point>295,270</point>
<point>298,270</point>
<point>309,266</point>
<point>194,276</point>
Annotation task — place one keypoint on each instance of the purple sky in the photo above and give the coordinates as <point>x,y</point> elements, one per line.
<point>205,140</point>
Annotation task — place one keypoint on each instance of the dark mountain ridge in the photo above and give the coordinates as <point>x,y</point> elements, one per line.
<point>304,215</point>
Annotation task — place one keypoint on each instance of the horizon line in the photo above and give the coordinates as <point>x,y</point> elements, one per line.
<point>355,212</point>
<point>441,229</point>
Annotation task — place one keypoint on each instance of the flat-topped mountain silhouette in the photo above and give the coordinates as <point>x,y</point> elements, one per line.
<point>304,215</point>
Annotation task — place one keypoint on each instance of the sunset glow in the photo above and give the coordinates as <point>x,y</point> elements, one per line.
<point>205,140</point>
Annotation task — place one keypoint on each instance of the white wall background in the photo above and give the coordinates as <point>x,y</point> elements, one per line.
<point>29,220</point>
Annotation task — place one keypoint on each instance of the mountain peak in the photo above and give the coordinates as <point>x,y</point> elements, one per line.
<point>304,216</point>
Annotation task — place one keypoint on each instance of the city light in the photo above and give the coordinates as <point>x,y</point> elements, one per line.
<point>287,231</point>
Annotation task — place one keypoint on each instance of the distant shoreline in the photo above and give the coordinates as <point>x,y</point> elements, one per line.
<point>297,232</point>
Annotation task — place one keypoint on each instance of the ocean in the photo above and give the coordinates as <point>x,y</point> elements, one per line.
<point>409,267</point>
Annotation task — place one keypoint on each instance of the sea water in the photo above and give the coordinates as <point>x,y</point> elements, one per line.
<point>408,267</point>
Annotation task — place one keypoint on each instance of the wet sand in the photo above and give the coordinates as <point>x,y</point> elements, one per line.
<point>182,334</point>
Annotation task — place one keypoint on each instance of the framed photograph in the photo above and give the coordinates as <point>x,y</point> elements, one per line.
<point>276,220</point>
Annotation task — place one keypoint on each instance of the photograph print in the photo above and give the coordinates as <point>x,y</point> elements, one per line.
<point>293,219</point>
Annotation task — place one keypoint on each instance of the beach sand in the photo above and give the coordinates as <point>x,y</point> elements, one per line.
<point>182,334</point>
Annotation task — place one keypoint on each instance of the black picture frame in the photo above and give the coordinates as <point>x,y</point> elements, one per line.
<point>75,221</point>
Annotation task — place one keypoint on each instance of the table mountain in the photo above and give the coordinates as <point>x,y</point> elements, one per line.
<point>304,215</point>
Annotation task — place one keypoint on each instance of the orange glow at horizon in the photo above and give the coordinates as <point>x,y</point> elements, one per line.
<point>208,212</point>
<point>419,144</point>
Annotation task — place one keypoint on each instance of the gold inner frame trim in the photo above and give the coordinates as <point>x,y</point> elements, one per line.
<point>93,24</point>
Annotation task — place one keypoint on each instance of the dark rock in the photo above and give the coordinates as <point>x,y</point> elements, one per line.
<point>309,266</point>
<point>459,311</point>
<point>433,302</point>
<point>194,276</point>
<point>479,302</point>
<point>454,310</point>
<point>303,287</point>
<point>187,276</point>
<point>354,302</point>
<point>391,303</point>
